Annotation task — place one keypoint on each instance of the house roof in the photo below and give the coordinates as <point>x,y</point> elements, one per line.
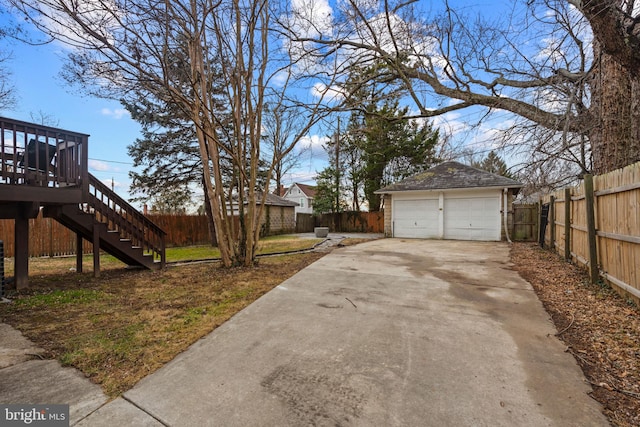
<point>450,175</point>
<point>308,190</point>
<point>280,191</point>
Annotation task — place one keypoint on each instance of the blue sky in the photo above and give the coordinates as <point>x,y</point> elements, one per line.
<point>40,89</point>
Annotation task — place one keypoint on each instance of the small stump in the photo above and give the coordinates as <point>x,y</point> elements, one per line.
<point>321,231</point>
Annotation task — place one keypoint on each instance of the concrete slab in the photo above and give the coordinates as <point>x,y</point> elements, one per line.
<point>119,412</point>
<point>390,332</point>
<point>47,382</point>
<point>15,348</point>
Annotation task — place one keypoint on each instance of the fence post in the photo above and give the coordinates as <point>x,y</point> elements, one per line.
<point>567,224</point>
<point>591,228</point>
<point>552,223</point>
<point>544,219</point>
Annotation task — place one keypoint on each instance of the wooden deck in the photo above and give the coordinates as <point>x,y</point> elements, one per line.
<point>42,164</point>
<point>45,167</point>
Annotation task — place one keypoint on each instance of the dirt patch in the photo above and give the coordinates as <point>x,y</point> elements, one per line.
<point>600,329</point>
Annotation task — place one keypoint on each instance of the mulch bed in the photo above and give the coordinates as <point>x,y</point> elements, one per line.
<point>600,328</point>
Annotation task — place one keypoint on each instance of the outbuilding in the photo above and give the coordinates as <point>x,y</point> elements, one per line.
<point>450,201</point>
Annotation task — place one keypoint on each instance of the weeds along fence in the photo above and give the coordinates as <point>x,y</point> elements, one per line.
<point>597,225</point>
<point>49,238</point>
<point>346,222</point>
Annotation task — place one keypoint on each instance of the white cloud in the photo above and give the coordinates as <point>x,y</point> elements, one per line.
<point>98,165</point>
<point>314,143</point>
<point>328,93</point>
<point>115,184</point>
<point>105,16</point>
<point>450,124</point>
<point>311,18</point>
<point>116,113</point>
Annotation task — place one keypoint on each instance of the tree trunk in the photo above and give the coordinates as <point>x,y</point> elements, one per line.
<point>615,106</point>
<point>209,214</point>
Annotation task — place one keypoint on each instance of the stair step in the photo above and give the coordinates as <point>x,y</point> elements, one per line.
<point>84,221</point>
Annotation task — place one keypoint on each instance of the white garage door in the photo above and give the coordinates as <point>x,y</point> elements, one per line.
<point>415,218</point>
<point>472,218</point>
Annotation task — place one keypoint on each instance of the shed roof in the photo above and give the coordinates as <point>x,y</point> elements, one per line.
<point>273,200</point>
<point>450,175</point>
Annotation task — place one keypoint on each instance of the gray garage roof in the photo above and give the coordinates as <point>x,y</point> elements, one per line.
<point>450,175</point>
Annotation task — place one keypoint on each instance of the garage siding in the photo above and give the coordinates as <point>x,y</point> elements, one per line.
<point>456,215</point>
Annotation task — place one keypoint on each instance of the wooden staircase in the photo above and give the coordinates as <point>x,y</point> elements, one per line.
<point>113,225</point>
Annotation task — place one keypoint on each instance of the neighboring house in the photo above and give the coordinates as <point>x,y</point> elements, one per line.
<point>303,195</point>
<point>449,201</point>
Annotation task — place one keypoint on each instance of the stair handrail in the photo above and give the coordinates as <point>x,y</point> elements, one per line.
<point>128,221</point>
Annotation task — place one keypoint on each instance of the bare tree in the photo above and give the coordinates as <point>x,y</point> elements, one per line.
<point>281,131</point>
<point>117,46</point>
<point>569,66</point>
<point>7,91</point>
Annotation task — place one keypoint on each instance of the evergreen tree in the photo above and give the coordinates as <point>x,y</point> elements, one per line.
<point>381,144</point>
<point>494,164</point>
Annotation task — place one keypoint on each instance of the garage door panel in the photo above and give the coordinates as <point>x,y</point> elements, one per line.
<point>472,218</point>
<point>415,218</point>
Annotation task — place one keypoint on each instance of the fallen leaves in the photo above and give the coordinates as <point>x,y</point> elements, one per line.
<point>601,329</point>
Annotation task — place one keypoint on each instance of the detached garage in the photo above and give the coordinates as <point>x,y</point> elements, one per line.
<point>449,201</point>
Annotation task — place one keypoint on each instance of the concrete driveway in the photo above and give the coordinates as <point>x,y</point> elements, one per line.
<point>387,333</point>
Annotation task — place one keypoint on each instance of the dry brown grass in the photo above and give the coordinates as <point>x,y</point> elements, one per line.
<point>125,325</point>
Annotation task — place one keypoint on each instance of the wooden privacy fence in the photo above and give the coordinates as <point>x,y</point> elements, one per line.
<point>597,224</point>
<point>345,222</point>
<point>525,222</point>
<point>49,238</point>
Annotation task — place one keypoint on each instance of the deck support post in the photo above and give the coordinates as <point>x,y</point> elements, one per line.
<point>21,236</point>
<point>78,253</point>
<point>96,250</point>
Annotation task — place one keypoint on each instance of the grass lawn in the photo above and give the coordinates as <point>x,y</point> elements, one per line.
<point>58,265</point>
<point>126,324</point>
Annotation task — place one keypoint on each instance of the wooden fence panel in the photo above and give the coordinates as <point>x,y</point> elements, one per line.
<point>342,222</point>
<point>305,223</point>
<point>352,222</point>
<point>48,238</point>
<point>525,222</point>
<point>617,223</point>
<point>184,230</point>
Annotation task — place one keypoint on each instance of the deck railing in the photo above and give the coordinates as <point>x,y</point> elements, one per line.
<point>120,216</point>
<point>41,155</point>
